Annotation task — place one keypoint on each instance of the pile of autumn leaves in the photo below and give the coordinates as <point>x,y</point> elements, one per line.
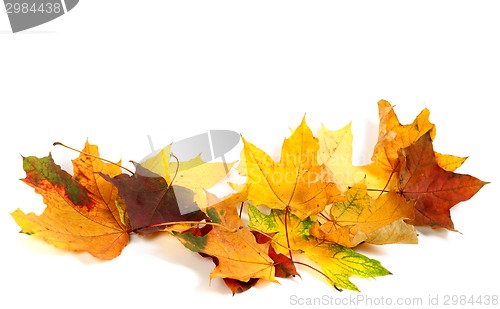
<point>314,202</point>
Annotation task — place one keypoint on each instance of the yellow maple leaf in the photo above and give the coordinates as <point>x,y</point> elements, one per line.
<point>297,182</point>
<point>335,151</point>
<point>196,174</point>
<point>339,263</point>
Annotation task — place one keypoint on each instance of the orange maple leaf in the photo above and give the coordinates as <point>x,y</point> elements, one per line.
<point>81,214</point>
<point>361,218</point>
<point>239,255</point>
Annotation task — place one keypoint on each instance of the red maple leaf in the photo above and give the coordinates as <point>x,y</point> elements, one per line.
<point>434,189</point>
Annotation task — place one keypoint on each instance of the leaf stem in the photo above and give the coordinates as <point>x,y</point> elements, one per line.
<point>176,169</point>
<point>320,272</point>
<point>325,217</point>
<point>378,190</point>
<point>389,180</point>
<point>297,262</point>
<point>241,208</point>
<point>91,155</point>
<point>287,210</point>
<point>165,224</point>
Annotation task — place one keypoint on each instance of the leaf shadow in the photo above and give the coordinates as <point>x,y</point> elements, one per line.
<point>170,250</point>
<point>428,231</point>
<point>39,247</point>
<point>370,249</point>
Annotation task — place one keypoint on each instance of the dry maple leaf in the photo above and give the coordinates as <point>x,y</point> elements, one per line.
<point>337,263</point>
<point>239,255</point>
<point>321,205</point>
<point>292,236</point>
<point>383,174</point>
<point>361,218</point>
<point>434,189</point>
<point>196,174</point>
<point>236,286</point>
<point>335,151</point>
<point>151,203</point>
<point>81,214</point>
<point>296,183</point>
<point>284,267</point>
<point>393,136</point>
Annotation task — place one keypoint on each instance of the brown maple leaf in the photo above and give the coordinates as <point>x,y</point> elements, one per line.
<point>434,189</point>
<point>152,203</point>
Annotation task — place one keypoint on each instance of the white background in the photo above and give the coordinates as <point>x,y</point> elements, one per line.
<point>116,71</point>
